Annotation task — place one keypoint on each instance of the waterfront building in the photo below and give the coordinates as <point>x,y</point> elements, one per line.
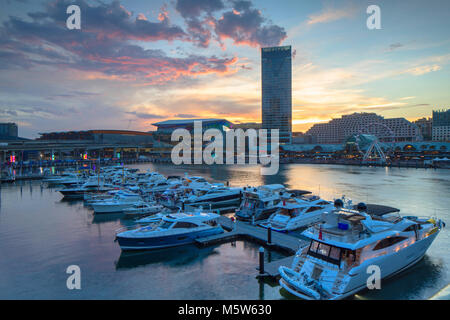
<point>93,143</point>
<point>248,125</point>
<point>302,138</point>
<point>420,149</point>
<point>163,144</point>
<point>9,133</point>
<point>100,136</point>
<point>8,130</point>
<point>387,130</point>
<point>441,125</point>
<point>276,67</point>
<point>426,127</point>
<point>169,126</point>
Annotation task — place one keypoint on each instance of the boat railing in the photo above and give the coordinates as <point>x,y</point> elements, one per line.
<point>131,227</point>
<point>117,231</point>
<point>352,235</point>
<point>423,218</point>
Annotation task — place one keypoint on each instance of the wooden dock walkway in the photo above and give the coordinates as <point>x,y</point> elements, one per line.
<point>242,230</point>
<point>238,230</point>
<point>271,268</point>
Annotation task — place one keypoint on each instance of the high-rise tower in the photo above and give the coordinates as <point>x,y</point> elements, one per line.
<point>276,65</point>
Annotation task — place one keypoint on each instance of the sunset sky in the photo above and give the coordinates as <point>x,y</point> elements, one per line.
<point>134,63</point>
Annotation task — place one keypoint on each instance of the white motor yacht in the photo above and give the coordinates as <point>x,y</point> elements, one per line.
<point>155,187</point>
<point>156,218</point>
<point>214,197</point>
<point>142,209</point>
<point>67,179</point>
<point>121,201</point>
<point>259,203</point>
<point>297,212</point>
<point>92,186</point>
<point>336,263</point>
<point>173,230</point>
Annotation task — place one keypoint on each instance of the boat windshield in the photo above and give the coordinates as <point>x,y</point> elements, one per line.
<point>249,203</point>
<point>313,208</point>
<point>165,224</point>
<point>325,252</point>
<point>291,212</point>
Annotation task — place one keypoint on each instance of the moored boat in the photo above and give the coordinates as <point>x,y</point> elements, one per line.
<point>173,230</point>
<point>142,209</point>
<point>120,202</point>
<point>259,203</point>
<point>335,265</point>
<point>297,212</point>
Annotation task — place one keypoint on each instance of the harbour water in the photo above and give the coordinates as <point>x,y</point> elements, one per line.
<point>41,235</point>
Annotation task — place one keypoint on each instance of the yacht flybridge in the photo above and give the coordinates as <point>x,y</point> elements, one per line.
<point>142,209</point>
<point>121,201</point>
<point>259,203</point>
<point>215,197</point>
<point>296,212</point>
<point>91,186</point>
<point>335,264</point>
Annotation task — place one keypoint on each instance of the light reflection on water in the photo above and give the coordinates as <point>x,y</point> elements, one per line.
<point>40,235</point>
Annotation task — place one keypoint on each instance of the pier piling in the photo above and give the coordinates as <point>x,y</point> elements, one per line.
<point>261,260</point>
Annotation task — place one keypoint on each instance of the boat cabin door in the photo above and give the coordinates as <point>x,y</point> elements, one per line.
<point>416,231</point>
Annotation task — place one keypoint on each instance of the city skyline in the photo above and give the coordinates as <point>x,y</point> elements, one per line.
<point>136,63</point>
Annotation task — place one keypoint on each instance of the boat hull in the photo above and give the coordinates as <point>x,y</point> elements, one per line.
<point>136,213</point>
<point>116,208</point>
<point>79,194</point>
<point>216,203</point>
<point>128,244</point>
<point>295,223</point>
<point>390,265</point>
<point>247,215</point>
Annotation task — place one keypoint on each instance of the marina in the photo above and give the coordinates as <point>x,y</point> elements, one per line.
<point>220,150</point>
<point>243,239</point>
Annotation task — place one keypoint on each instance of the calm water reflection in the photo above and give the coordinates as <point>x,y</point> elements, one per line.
<point>40,235</point>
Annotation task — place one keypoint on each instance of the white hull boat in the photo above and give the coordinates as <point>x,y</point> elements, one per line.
<point>336,264</point>
<point>142,209</point>
<point>173,230</point>
<point>295,213</point>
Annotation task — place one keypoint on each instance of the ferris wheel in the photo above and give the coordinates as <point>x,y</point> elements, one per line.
<point>369,139</point>
<point>383,133</point>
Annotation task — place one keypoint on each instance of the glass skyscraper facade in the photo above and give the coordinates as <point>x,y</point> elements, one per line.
<point>441,125</point>
<point>276,65</point>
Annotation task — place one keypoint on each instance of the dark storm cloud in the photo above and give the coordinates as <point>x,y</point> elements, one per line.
<point>113,20</point>
<point>241,22</point>
<point>198,15</point>
<point>35,110</point>
<point>195,8</point>
<point>101,46</point>
<point>143,115</point>
<point>246,25</point>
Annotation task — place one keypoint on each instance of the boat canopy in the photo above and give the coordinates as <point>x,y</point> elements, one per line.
<point>297,192</point>
<point>379,210</point>
<point>290,205</point>
<point>273,187</point>
<point>191,217</point>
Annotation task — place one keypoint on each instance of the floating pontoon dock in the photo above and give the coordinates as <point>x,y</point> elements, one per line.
<point>238,230</point>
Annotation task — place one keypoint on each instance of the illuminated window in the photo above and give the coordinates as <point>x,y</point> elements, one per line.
<point>388,242</point>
